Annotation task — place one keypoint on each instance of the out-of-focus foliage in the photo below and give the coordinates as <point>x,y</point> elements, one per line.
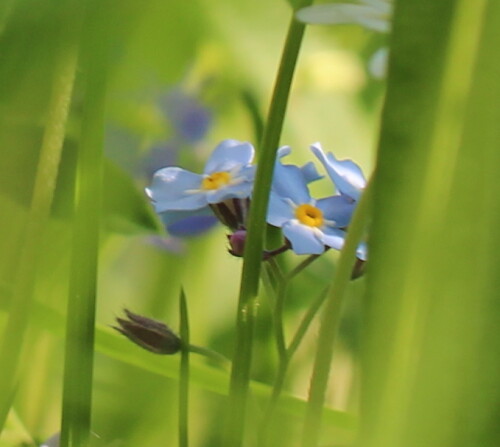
<point>431,313</point>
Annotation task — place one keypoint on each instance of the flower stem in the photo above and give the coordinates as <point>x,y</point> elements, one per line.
<point>25,275</point>
<point>330,321</point>
<point>184,372</point>
<point>285,358</point>
<point>240,373</point>
<point>78,368</point>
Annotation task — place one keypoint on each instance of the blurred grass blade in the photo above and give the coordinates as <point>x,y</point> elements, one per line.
<point>184,372</point>
<point>29,251</point>
<point>78,370</point>
<point>433,287</point>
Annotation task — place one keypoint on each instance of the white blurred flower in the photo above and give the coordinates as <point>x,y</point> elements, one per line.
<point>53,441</point>
<point>371,14</point>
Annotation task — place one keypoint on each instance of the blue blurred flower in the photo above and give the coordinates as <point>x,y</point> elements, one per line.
<point>227,174</point>
<point>188,223</point>
<point>190,119</point>
<point>308,224</point>
<point>371,14</point>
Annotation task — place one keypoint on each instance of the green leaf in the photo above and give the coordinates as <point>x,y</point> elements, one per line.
<point>429,371</point>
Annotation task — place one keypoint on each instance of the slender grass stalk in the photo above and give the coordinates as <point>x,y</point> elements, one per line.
<point>78,370</point>
<point>184,372</point>
<point>240,374</point>
<point>283,367</point>
<point>29,256</point>
<point>330,321</point>
<point>215,356</point>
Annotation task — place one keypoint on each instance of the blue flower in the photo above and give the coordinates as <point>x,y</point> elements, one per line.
<point>308,224</point>
<point>346,175</point>
<point>371,14</point>
<point>227,174</point>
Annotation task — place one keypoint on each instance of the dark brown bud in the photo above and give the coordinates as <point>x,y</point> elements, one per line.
<point>150,334</point>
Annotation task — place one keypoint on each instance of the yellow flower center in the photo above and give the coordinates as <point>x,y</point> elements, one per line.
<point>216,180</point>
<point>309,215</point>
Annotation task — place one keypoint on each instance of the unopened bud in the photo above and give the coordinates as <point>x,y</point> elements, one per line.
<point>149,334</point>
<point>237,242</point>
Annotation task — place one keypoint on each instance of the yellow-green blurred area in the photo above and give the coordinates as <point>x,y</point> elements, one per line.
<point>218,58</point>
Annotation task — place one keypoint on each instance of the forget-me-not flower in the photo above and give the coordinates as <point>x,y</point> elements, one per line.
<point>228,174</point>
<point>308,224</point>
<point>371,14</point>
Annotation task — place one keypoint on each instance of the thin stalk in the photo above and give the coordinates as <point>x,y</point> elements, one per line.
<point>210,354</point>
<point>284,363</point>
<point>330,321</point>
<point>184,373</point>
<point>240,374</point>
<point>78,368</point>
<point>29,256</point>
<point>280,304</point>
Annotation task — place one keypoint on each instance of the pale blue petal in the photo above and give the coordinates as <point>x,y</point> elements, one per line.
<point>310,172</point>
<point>334,238</point>
<point>303,238</point>
<point>371,17</point>
<point>175,188</point>
<point>279,210</point>
<point>337,208</point>
<point>345,174</point>
<point>288,181</point>
<point>362,251</point>
<point>283,151</point>
<point>228,155</point>
<point>239,191</point>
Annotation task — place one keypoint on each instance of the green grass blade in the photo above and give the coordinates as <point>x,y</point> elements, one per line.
<point>433,288</point>
<point>78,372</point>
<point>256,236</point>
<point>29,255</point>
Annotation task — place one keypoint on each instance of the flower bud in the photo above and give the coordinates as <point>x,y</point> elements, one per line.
<point>152,335</point>
<point>237,242</point>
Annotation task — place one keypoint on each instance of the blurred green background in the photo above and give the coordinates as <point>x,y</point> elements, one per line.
<point>182,76</point>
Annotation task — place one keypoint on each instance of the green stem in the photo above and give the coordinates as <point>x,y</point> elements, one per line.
<point>78,368</point>
<point>184,372</point>
<point>24,280</point>
<point>240,374</point>
<point>330,321</point>
<point>210,354</point>
<point>285,362</point>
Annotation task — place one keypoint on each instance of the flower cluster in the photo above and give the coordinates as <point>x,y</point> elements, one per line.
<point>309,225</point>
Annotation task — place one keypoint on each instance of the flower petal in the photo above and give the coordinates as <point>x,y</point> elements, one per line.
<point>229,154</point>
<point>337,208</point>
<point>279,210</point>
<point>173,188</point>
<point>289,180</point>
<point>345,174</point>
<point>335,238</point>
<point>239,191</point>
<point>310,172</point>
<point>303,238</point>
